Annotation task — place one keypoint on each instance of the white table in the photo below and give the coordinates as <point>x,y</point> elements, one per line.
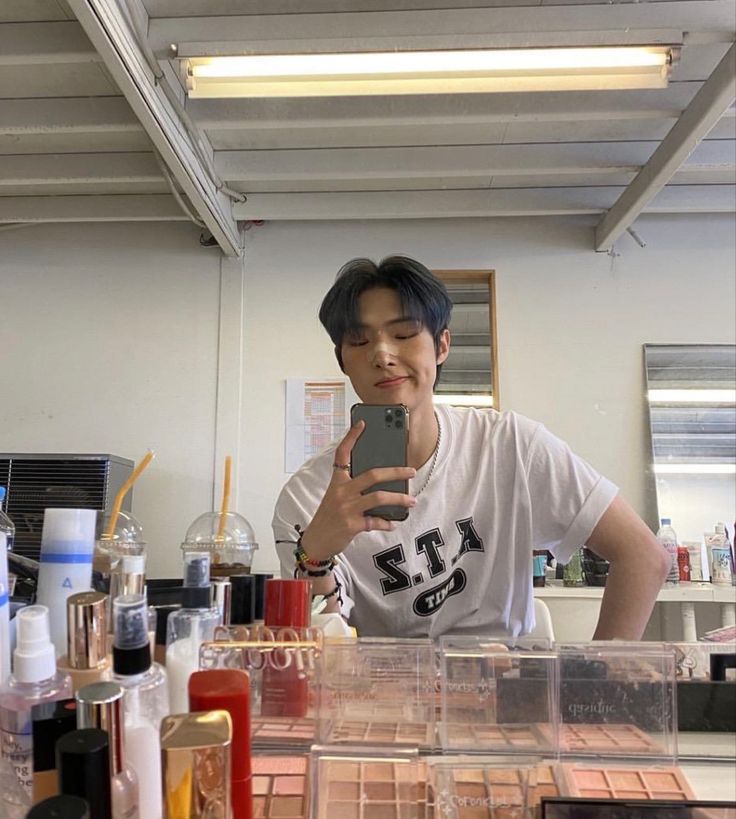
<point>585,599</point>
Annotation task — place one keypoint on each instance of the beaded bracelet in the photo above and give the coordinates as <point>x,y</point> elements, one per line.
<point>303,559</point>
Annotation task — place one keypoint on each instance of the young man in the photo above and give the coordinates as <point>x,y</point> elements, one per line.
<point>485,490</point>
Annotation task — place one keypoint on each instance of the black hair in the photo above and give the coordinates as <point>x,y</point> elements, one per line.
<point>423,297</point>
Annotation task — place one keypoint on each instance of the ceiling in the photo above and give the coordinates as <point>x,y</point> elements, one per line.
<point>81,112</point>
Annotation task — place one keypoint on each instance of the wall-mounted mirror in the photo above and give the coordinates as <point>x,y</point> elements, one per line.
<point>691,392</point>
<point>470,374</point>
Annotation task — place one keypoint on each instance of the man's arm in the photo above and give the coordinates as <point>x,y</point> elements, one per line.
<point>639,566</point>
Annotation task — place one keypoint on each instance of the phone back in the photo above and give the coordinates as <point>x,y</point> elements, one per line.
<point>383,442</point>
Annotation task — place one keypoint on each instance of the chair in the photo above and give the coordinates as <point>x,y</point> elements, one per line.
<point>543,627</point>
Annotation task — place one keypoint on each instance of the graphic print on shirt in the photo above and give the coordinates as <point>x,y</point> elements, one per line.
<point>428,544</point>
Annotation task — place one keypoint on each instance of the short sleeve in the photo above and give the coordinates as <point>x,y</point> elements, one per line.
<point>568,497</point>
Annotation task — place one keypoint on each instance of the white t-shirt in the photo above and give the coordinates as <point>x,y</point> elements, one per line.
<point>461,563</point>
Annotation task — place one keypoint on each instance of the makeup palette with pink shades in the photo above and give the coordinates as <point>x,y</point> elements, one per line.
<point>624,782</point>
<point>350,785</point>
<point>279,786</point>
<point>602,738</point>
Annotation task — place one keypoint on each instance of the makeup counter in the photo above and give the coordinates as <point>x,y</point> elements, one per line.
<point>254,713</point>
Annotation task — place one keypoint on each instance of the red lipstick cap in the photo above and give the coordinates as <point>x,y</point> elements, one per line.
<point>288,603</point>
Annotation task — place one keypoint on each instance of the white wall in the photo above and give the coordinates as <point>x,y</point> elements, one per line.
<point>109,333</point>
<point>108,344</point>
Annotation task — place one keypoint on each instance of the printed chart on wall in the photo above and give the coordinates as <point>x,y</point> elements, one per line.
<point>317,413</point>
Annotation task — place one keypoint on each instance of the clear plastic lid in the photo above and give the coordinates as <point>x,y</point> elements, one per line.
<point>130,615</point>
<point>127,536</point>
<point>205,531</point>
<point>617,701</point>
<point>496,699</point>
<point>379,692</point>
<point>231,548</point>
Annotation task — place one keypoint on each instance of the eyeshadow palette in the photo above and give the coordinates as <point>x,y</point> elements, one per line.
<point>467,790</point>
<point>617,739</point>
<point>383,732</point>
<point>546,783</point>
<point>367,787</point>
<point>503,738</point>
<point>276,732</point>
<point>619,782</point>
<point>280,787</point>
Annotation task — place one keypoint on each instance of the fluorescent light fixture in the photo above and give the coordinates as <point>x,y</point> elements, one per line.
<point>430,72</point>
<point>464,400</point>
<point>692,396</point>
<point>695,469</point>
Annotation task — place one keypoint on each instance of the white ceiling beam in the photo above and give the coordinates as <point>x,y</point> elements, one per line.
<point>497,160</point>
<point>60,169</point>
<point>106,27</point>
<point>451,109</point>
<point>412,28</point>
<point>706,108</point>
<point>45,43</point>
<point>109,208</point>
<point>67,115</point>
<point>463,203</point>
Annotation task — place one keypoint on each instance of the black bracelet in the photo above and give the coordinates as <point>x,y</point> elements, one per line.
<point>336,591</point>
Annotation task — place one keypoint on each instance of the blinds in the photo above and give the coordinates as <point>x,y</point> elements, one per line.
<point>692,403</point>
<point>468,369</point>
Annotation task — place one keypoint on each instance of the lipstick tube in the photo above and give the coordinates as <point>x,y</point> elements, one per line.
<point>86,659</point>
<point>286,691</point>
<point>228,689</point>
<point>195,754</point>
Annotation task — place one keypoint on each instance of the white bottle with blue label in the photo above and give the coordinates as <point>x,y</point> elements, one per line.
<point>67,545</point>
<point>4,611</point>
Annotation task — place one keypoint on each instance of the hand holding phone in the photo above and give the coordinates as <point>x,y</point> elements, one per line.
<point>383,443</point>
<point>344,510</point>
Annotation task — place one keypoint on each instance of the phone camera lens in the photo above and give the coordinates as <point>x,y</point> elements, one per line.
<point>399,423</point>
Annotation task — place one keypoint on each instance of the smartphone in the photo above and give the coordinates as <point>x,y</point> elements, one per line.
<point>383,442</point>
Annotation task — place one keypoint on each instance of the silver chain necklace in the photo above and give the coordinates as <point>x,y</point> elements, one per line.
<point>434,457</point>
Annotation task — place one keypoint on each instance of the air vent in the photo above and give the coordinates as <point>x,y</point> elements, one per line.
<point>38,482</point>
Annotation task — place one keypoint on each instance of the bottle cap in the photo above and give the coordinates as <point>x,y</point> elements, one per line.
<point>243,602</point>
<point>666,521</point>
<point>287,603</point>
<point>82,760</point>
<point>100,705</point>
<point>68,529</point>
<point>60,807</point>
<point>196,589</point>
<point>720,528</point>
<point>131,653</point>
<point>34,658</point>
<point>260,593</point>
<point>226,689</point>
<point>3,490</point>
<point>50,721</point>
<point>86,621</point>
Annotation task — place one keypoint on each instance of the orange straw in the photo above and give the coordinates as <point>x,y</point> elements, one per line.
<point>225,498</point>
<point>124,489</point>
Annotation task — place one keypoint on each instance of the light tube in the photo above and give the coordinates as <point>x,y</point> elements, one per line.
<point>429,71</point>
<point>695,469</point>
<point>692,396</point>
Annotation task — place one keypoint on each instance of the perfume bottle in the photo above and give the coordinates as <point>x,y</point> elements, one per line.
<point>34,680</point>
<point>86,658</point>
<point>145,700</point>
<point>100,705</point>
<point>188,627</point>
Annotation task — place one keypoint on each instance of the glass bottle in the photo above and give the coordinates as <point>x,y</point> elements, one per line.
<point>188,627</point>
<point>145,699</point>
<point>34,680</point>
